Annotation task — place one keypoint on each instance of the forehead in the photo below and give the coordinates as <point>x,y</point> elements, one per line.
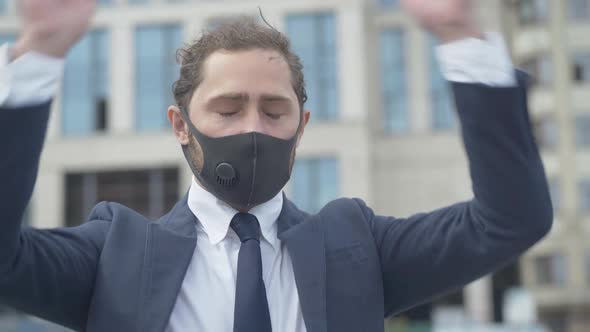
<point>255,71</point>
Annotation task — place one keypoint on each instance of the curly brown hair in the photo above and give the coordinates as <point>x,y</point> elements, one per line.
<point>241,34</point>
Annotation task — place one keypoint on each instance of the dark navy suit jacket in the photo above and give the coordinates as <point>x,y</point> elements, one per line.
<point>122,272</point>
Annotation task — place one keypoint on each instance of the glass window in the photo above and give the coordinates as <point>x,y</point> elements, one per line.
<point>156,71</point>
<point>150,192</point>
<point>443,112</point>
<point>540,68</point>
<point>2,7</point>
<point>581,67</point>
<point>583,130</point>
<point>394,94</point>
<point>551,270</point>
<point>86,86</point>
<point>579,10</point>
<point>315,182</point>
<point>314,38</point>
<point>6,38</point>
<point>532,11</point>
<point>555,192</point>
<point>584,194</point>
<point>389,3</point>
<point>547,132</point>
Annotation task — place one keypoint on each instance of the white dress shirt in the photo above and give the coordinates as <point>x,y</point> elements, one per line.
<point>206,298</point>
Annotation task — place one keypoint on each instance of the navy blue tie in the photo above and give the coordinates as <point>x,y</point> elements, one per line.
<point>251,307</point>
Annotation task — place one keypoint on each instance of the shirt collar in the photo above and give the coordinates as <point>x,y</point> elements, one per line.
<point>215,215</point>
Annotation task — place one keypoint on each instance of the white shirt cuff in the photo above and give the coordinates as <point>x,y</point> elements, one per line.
<point>474,60</point>
<point>30,79</point>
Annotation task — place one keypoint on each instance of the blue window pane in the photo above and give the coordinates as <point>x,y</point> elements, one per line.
<point>393,81</point>
<point>7,38</point>
<point>443,114</point>
<point>579,10</point>
<point>583,130</point>
<point>100,65</point>
<point>85,91</point>
<point>532,11</point>
<point>155,48</point>
<point>584,194</point>
<point>315,182</point>
<point>314,37</point>
<point>389,3</point>
<point>555,192</point>
<point>2,7</point>
<point>300,178</point>
<point>551,270</point>
<point>139,2</point>
<point>329,176</point>
<point>581,67</point>
<point>105,2</point>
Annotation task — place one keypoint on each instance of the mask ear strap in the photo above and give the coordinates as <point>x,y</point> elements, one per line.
<point>184,115</point>
<point>185,148</point>
<point>191,127</point>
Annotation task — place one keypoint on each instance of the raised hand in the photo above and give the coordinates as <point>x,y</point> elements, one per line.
<point>52,27</point>
<point>448,20</point>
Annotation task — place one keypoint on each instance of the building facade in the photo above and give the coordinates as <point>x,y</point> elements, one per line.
<point>550,40</point>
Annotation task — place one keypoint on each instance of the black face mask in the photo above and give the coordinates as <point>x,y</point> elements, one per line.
<point>243,170</point>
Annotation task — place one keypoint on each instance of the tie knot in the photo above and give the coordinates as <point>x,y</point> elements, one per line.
<point>246,226</point>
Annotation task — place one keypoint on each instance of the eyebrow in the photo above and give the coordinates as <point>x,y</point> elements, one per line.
<point>244,97</point>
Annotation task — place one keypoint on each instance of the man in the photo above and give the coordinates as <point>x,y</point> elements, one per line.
<point>235,254</point>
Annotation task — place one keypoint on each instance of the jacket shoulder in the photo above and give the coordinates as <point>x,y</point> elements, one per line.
<point>346,216</point>
<point>349,208</point>
<point>111,212</point>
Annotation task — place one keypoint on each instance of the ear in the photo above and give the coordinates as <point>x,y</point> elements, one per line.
<point>305,114</point>
<point>179,127</point>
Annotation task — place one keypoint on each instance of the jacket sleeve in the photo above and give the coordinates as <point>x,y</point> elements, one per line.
<point>46,273</point>
<point>430,254</point>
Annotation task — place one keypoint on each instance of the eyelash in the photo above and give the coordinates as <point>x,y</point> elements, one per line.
<point>273,116</point>
<point>227,115</point>
<point>270,115</point>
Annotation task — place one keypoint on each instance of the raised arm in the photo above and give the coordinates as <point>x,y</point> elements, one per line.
<point>429,254</point>
<point>47,273</point>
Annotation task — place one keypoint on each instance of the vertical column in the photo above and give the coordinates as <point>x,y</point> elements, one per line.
<point>418,79</point>
<point>561,60</point>
<point>354,161</point>
<point>54,126</point>
<point>351,48</point>
<point>48,201</point>
<point>122,84</point>
<point>478,300</point>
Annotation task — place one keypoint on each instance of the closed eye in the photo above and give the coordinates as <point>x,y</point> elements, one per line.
<point>227,114</point>
<point>273,116</point>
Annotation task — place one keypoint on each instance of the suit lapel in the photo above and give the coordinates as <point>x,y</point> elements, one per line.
<point>171,246</point>
<point>305,243</point>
